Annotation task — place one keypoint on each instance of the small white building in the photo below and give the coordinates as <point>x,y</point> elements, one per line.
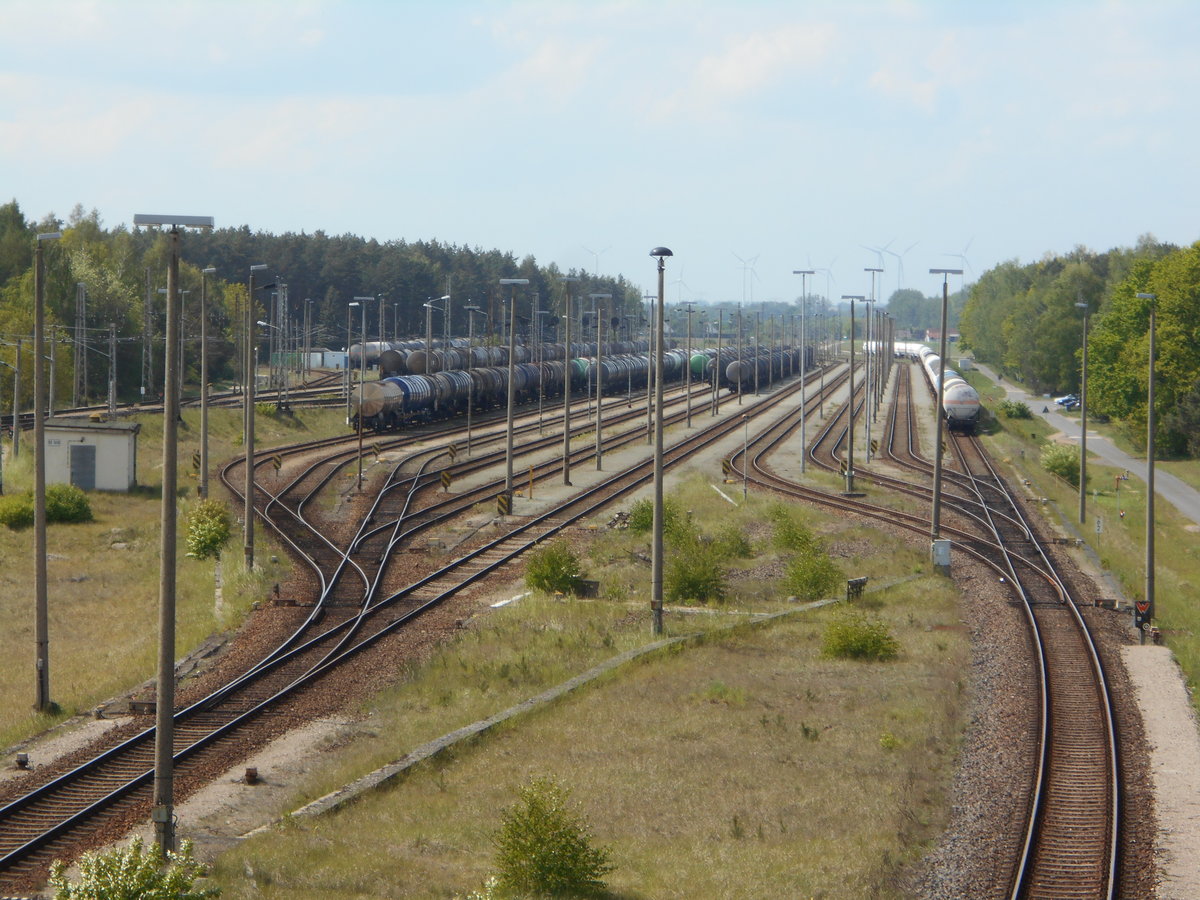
<point>92,455</point>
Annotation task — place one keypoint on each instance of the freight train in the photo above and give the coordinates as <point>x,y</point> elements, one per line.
<point>393,401</point>
<point>960,403</point>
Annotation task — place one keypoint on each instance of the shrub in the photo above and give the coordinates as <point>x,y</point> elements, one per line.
<point>209,528</point>
<point>67,503</point>
<point>544,847</point>
<point>694,572</point>
<point>129,873</point>
<point>1062,460</point>
<point>16,510</point>
<point>789,533</point>
<point>730,543</point>
<point>553,567</point>
<point>1014,409</point>
<point>641,516</point>
<point>852,635</point>
<point>812,575</point>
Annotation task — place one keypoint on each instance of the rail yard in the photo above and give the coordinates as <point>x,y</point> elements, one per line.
<point>1054,766</point>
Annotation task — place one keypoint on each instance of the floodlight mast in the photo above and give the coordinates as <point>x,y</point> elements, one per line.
<point>508,442</point>
<point>164,737</point>
<point>935,517</point>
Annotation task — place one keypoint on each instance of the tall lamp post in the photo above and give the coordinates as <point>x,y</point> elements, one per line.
<point>248,397</point>
<point>872,363</point>
<point>567,280</point>
<point>1083,421</point>
<point>512,332</point>
<point>1150,425</point>
<point>600,315</point>
<point>803,273</point>
<point>850,431</point>
<point>164,737</point>
<point>362,381</point>
<point>204,273</point>
<point>41,607</point>
<point>471,310</point>
<point>935,522</point>
<point>429,308</point>
<point>656,562</point>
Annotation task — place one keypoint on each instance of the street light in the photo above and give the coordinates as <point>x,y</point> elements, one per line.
<point>1150,425</point>
<point>567,280</point>
<point>512,331</point>
<point>362,382</point>
<point>596,298</point>
<point>164,789</point>
<point>41,611</point>
<point>204,273</point>
<point>935,518</point>
<point>429,308</point>
<point>872,365</point>
<point>803,273</point>
<point>656,577</point>
<point>850,431</point>
<point>471,310</point>
<point>1083,422</point>
<point>251,368</point>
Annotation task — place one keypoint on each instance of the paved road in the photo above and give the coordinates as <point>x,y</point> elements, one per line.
<point>1178,493</point>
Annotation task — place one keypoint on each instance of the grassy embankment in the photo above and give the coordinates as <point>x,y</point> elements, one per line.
<point>103,576</point>
<point>742,765</point>
<point>1121,545</point>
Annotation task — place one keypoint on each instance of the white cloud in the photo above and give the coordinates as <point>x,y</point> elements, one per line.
<point>757,61</point>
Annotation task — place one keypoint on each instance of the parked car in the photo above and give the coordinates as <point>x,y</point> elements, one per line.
<point>1069,398</point>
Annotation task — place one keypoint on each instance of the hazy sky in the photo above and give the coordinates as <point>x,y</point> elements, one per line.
<point>789,134</point>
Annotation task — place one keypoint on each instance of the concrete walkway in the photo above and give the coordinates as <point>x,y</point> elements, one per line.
<point>1178,493</point>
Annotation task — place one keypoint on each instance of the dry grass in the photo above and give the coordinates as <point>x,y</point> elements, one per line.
<point>103,581</point>
<point>743,765</point>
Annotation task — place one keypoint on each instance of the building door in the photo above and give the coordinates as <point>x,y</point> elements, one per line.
<point>83,466</point>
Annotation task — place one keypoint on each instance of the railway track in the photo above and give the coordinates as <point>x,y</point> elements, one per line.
<point>1066,842</point>
<point>74,811</point>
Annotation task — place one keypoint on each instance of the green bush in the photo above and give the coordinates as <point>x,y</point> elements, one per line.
<point>730,543</point>
<point>694,571</point>
<point>851,635</point>
<point>1014,409</point>
<point>16,510</point>
<point>812,575</point>
<point>544,847</point>
<point>1062,460</point>
<point>641,516</point>
<point>208,530</point>
<point>67,503</point>
<point>553,567</point>
<point>788,532</point>
<point>130,873</point>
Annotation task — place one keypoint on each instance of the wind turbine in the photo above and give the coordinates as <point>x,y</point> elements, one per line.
<point>597,255</point>
<point>962,257</point>
<point>682,284</point>
<point>879,251</point>
<point>747,265</point>
<point>900,263</point>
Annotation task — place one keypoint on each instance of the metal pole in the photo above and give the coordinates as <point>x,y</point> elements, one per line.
<point>687,376</point>
<point>362,383</point>
<point>935,519</point>
<point>512,333</point>
<point>204,273</point>
<point>567,280</point>
<point>164,778</point>
<point>716,387</point>
<point>1150,449</point>
<point>251,376</point>
<point>599,386</point>
<point>850,430</point>
<point>656,578</point>
<point>16,435</point>
<point>471,310</point>
<point>1083,422</point>
<point>803,273</point>
<point>41,608</point>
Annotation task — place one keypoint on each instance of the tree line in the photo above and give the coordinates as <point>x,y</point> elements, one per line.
<point>1027,321</point>
<point>122,273</point>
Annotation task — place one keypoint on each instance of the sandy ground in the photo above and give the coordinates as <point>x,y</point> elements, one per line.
<point>218,817</point>
<point>1175,763</point>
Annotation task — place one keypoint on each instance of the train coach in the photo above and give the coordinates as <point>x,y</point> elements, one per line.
<point>960,403</point>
